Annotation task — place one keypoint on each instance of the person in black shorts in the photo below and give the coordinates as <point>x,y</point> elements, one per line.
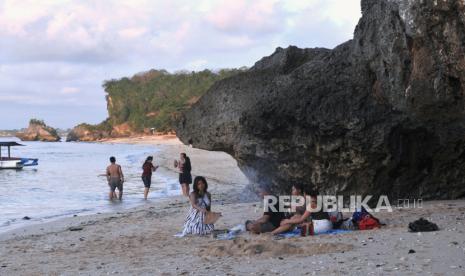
<point>148,168</point>
<point>185,177</point>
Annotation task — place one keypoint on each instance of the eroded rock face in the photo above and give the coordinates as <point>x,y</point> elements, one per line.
<point>380,114</point>
<point>39,131</point>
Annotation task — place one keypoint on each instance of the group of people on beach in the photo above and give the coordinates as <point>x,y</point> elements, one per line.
<point>198,220</point>
<point>200,198</point>
<point>303,216</point>
<point>115,176</point>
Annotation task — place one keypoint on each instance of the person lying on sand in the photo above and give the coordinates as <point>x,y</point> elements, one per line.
<point>319,221</point>
<point>200,200</point>
<point>270,220</point>
<point>115,179</point>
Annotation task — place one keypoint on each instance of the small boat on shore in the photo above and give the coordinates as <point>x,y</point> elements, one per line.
<point>15,162</point>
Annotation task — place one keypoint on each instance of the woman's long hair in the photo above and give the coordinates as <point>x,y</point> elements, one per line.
<point>196,184</point>
<point>300,187</point>
<point>310,191</point>
<point>149,158</point>
<point>187,164</point>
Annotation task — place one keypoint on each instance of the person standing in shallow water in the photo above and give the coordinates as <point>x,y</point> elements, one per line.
<point>115,179</point>
<point>148,168</point>
<point>185,177</point>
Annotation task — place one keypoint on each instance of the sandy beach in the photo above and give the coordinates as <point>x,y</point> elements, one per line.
<point>141,241</point>
<point>168,139</point>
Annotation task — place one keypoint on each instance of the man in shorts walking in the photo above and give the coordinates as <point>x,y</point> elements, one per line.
<point>115,179</point>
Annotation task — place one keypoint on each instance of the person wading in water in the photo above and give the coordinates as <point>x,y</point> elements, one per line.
<point>115,179</point>
<point>148,168</point>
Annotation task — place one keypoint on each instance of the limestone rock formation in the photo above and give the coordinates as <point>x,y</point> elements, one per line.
<point>89,133</point>
<point>39,131</point>
<point>382,113</point>
<point>86,133</point>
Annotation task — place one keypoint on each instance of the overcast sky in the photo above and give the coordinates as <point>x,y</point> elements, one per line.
<point>55,55</point>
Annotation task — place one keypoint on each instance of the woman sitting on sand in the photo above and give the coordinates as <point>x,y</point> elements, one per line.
<point>319,220</point>
<point>200,200</point>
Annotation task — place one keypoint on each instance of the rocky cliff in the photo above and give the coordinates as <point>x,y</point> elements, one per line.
<point>148,102</point>
<point>39,131</point>
<point>382,113</point>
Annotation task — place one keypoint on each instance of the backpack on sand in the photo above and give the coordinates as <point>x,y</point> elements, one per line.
<point>364,220</point>
<point>368,222</point>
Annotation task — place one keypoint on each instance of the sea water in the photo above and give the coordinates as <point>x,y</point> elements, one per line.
<point>70,180</point>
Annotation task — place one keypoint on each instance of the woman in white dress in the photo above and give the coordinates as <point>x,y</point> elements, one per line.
<point>200,200</point>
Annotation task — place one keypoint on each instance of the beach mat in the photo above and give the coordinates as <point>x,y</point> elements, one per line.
<point>296,233</point>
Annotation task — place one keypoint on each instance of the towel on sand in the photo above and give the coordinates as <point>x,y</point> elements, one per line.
<point>232,233</point>
<point>296,233</point>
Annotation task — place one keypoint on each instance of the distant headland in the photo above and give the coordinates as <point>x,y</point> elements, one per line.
<point>148,103</point>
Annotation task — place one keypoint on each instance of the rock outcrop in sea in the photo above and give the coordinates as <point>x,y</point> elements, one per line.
<point>382,113</point>
<point>39,131</point>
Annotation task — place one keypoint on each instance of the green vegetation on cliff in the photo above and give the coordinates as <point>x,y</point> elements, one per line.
<point>42,124</point>
<point>155,98</point>
<point>103,126</point>
<point>37,122</point>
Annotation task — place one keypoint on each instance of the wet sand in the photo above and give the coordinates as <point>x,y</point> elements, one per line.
<point>141,241</point>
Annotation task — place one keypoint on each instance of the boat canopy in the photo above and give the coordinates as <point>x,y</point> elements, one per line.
<point>9,144</point>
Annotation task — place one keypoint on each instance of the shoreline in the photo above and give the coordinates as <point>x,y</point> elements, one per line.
<point>63,223</point>
<point>28,218</point>
<point>167,148</point>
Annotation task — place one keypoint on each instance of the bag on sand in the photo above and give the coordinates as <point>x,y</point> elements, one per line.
<point>422,225</point>
<point>211,217</point>
<point>368,222</point>
<point>348,224</point>
<point>364,220</point>
<point>306,229</point>
<point>336,218</point>
<point>357,216</point>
